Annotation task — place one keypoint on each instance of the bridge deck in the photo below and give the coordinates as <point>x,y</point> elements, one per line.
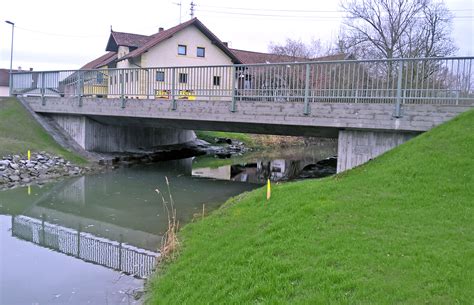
<point>287,118</point>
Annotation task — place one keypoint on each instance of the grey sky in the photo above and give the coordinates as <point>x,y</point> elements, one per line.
<point>52,34</point>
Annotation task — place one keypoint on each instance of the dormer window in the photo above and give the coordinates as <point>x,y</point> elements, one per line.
<point>200,52</point>
<point>181,49</point>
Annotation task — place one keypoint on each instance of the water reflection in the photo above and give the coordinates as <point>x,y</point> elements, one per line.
<point>307,162</point>
<point>72,237</point>
<point>87,247</point>
<point>116,219</point>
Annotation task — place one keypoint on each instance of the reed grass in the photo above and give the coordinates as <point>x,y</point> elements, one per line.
<point>169,242</point>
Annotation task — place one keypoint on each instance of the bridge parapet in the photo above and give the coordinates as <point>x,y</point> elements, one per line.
<point>440,81</point>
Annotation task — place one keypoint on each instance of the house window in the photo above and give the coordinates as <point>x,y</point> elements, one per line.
<point>216,80</point>
<point>200,52</point>
<point>126,77</point>
<point>136,76</point>
<point>131,76</point>
<point>183,78</point>
<point>181,49</point>
<point>160,76</point>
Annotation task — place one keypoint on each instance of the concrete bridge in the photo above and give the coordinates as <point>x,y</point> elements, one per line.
<point>371,106</point>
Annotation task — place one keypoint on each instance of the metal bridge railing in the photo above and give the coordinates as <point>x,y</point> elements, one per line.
<point>395,81</point>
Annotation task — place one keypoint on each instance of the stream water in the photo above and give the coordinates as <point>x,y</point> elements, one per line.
<point>94,239</point>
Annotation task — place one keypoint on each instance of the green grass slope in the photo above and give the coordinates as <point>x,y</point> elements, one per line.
<point>210,136</point>
<point>19,132</point>
<point>398,230</point>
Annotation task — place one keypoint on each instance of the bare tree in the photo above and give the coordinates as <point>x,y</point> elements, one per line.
<point>298,49</point>
<point>396,28</point>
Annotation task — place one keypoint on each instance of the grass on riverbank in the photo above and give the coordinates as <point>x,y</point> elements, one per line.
<point>398,230</point>
<point>19,132</point>
<point>210,136</point>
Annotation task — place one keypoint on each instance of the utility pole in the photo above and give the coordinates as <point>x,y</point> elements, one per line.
<point>192,9</point>
<point>10,80</point>
<point>179,4</point>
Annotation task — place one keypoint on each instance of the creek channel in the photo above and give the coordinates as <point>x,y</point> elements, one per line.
<point>94,239</point>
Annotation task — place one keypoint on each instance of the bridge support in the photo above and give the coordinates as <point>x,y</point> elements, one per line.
<point>94,136</point>
<point>356,147</point>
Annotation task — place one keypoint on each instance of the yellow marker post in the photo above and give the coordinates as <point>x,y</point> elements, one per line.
<point>29,155</point>
<point>269,189</point>
<point>29,190</point>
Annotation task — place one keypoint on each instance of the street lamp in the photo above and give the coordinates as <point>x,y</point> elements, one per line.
<point>10,83</point>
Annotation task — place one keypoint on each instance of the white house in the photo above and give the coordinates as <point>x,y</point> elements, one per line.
<point>147,61</point>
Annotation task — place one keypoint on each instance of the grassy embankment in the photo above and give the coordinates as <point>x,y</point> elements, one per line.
<point>210,136</point>
<point>398,230</point>
<point>19,132</point>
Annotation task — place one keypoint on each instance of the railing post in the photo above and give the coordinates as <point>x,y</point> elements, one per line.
<point>306,92</point>
<point>398,103</point>
<point>122,88</point>
<point>79,229</point>
<point>173,89</point>
<point>43,101</point>
<point>233,107</point>
<point>80,87</point>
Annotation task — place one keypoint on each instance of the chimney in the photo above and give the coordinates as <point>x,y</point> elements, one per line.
<point>160,29</point>
<point>225,43</point>
<point>31,69</point>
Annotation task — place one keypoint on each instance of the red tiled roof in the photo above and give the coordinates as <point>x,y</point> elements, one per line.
<point>163,35</point>
<point>125,39</point>
<point>5,77</point>
<point>101,61</point>
<point>250,57</point>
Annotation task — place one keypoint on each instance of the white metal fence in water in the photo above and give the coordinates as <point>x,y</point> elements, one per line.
<point>110,254</point>
<point>397,81</point>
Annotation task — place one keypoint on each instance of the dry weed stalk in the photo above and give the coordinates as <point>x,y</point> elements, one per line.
<point>169,241</point>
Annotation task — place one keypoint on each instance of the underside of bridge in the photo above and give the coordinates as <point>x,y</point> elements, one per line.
<point>364,130</point>
<point>122,134</point>
<point>101,136</point>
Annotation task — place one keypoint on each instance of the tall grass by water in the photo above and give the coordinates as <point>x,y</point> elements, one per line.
<point>169,242</point>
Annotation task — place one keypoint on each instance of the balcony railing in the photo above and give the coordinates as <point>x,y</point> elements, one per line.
<point>396,81</point>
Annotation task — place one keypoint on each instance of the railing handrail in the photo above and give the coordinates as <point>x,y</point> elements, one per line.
<point>311,62</point>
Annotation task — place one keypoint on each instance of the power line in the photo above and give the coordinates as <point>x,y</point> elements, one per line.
<point>294,16</point>
<point>57,34</point>
<point>269,10</point>
<point>295,11</point>
<point>270,15</point>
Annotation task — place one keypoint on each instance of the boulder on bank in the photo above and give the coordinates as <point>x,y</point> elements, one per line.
<point>17,169</point>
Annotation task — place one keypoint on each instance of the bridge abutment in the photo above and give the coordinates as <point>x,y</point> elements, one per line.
<point>356,147</point>
<point>98,137</point>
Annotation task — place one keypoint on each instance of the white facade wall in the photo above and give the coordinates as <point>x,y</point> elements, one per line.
<point>4,91</point>
<point>165,54</point>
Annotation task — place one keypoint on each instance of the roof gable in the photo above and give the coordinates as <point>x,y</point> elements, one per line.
<point>166,34</point>
<point>117,39</point>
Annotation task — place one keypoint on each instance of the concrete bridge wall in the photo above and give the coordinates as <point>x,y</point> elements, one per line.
<point>365,130</point>
<point>95,136</point>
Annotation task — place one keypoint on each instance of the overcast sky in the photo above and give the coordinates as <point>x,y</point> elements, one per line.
<point>52,34</point>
